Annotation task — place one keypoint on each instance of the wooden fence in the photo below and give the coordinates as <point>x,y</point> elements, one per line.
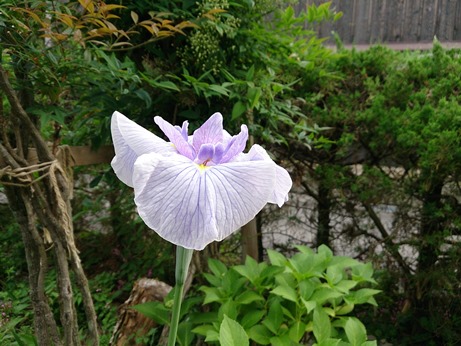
<point>393,21</point>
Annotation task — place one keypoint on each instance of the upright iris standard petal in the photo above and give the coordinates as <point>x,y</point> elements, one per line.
<point>130,141</point>
<point>184,130</point>
<point>190,205</point>
<point>235,145</point>
<point>211,132</point>
<point>176,137</point>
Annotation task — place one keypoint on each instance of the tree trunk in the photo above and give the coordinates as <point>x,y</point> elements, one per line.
<point>39,195</point>
<point>426,299</point>
<point>323,214</point>
<point>431,228</point>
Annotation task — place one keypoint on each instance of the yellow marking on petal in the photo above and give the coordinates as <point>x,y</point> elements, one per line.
<point>202,167</point>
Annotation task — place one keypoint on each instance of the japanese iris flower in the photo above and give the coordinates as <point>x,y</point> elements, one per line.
<point>196,188</point>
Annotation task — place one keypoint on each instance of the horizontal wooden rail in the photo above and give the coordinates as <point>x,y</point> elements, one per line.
<point>81,155</point>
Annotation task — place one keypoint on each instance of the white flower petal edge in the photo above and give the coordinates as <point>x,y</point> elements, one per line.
<point>192,206</point>
<point>283,182</point>
<point>130,141</point>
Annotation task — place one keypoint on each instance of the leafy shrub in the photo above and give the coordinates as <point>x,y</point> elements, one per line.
<point>291,301</point>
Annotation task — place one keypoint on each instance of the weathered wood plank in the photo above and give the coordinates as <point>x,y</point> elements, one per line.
<point>429,20</point>
<point>84,155</point>
<point>361,21</point>
<point>457,28</point>
<point>377,21</point>
<point>81,155</point>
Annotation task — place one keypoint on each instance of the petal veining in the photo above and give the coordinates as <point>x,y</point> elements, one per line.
<point>192,206</point>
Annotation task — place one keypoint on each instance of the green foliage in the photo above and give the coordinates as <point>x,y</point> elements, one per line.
<point>290,301</point>
<point>397,114</point>
<point>309,296</point>
<point>16,316</point>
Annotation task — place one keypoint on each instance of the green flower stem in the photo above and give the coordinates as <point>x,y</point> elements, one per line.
<point>183,258</point>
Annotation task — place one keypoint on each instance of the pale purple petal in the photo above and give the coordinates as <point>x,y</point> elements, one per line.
<point>205,153</point>
<point>184,130</point>
<point>130,141</point>
<point>236,145</point>
<point>218,153</point>
<point>176,137</point>
<point>283,182</point>
<point>210,132</point>
<point>192,206</point>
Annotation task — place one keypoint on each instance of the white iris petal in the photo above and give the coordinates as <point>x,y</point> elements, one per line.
<point>130,141</point>
<point>192,206</point>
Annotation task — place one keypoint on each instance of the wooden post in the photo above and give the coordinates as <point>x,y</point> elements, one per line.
<point>250,230</point>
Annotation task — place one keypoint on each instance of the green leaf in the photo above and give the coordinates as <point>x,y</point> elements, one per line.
<point>155,311</point>
<point>24,341</point>
<point>212,336</point>
<point>331,342</point>
<point>286,292</point>
<point>363,272</point>
<point>203,317</point>
<point>335,274</point>
<point>185,336</point>
<point>362,296</point>
<point>322,294</point>
<point>212,294</point>
<point>144,95</point>
<point>297,331</point>
<point>250,73</point>
<point>250,269</point>
<point>204,329</point>
<point>274,318</point>
<point>269,272</point>
<point>229,308</point>
<point>304,249</point>
<point>325,251</point>
<point>217,267</point>
<point>252,317</point>
<point>276,258</point>
<point>219,89</point>
<point>260,334</point>
<point>355,331</point>
<point>165,85</point>
<point>309,304</point>
<point>281,340</point>
<point>344,261</point>
<point>253,95</point>
<point>322,325</point>
<point>345,286</point>
<point>238,109</point>
<point>248,297</point>
<point>212,279</point>
<point>231,333</point>
<point>306,288</point>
